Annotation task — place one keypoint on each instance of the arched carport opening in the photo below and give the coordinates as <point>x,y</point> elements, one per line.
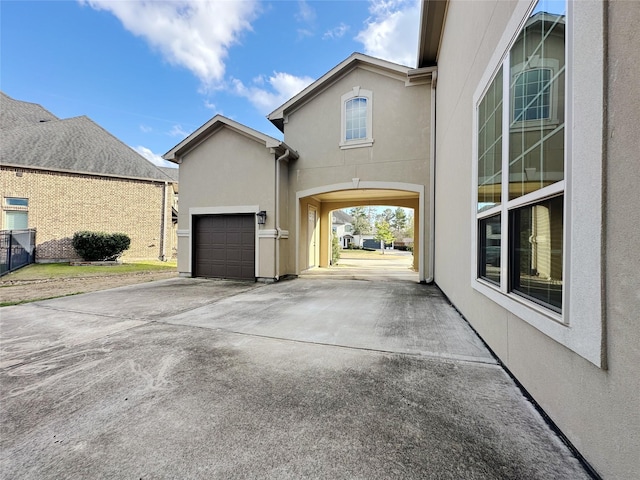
<point>313,218</point>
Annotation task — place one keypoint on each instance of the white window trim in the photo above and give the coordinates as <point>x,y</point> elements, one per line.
<point>360,142</point>
<point>581,325</point>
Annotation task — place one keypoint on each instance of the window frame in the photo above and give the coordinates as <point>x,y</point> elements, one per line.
<point>580,325</point>
<point>356,92</point>
<point>13,205</point>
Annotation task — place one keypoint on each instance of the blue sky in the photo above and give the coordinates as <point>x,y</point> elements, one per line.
<point>151,72</point>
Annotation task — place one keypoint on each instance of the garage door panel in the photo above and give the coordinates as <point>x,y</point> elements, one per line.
<point>224,246</point>
<point>234,255</point>
<point>234,238</point>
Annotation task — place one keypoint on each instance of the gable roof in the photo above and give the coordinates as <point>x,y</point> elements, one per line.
<point>277,117</point>
<point>340,217</point>
<point>214,125</point>
<point>74,145</point>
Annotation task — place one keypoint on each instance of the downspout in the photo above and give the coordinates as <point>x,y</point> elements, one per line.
<point>163,227</point>
<point>432,180</point>
<point>277,208</point>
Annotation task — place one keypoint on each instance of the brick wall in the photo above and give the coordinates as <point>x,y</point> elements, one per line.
<point>61,204</point>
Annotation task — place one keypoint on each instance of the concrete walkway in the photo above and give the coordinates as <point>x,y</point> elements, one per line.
<point>309,378</point>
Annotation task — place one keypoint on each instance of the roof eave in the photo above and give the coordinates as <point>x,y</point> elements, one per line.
<point>277,117</point>
<point>432,17</point>
<point>174,155</point>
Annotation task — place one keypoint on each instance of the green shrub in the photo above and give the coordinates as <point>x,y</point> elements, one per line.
<point>100,246</point>
<point>335,250</point>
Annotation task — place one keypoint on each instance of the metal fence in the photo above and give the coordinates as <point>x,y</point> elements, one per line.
<point>17,249</point>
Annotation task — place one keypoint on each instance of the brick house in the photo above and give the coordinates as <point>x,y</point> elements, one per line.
<point>60,176</point>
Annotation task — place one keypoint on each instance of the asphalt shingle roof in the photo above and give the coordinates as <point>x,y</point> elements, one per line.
<point>14,113</point>
<point>76,144</point>
<point>341,217</point>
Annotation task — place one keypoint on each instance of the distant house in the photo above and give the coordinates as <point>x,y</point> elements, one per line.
<point>342,226</point>
<point>60,176</point>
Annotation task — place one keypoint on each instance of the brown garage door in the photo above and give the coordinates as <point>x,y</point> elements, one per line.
<point>224,246</point>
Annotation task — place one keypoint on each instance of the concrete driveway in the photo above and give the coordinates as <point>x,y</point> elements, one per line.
<point>308,378</point>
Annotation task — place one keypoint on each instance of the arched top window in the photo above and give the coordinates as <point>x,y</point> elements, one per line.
<point>356,119</point>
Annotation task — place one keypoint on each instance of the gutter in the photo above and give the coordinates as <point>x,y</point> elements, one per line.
<point>163,225</point>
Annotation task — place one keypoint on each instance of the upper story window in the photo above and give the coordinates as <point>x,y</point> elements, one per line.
<point>357,106</point>
<point>356,118</point>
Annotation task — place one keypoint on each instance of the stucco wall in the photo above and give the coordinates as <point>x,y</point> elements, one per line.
<point>61,204</point>
<point>598,409</point>
<point>400,131</point>
<point>227,169</point>
<point>400,152</point>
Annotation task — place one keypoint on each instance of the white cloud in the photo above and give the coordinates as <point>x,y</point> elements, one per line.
<point>153,157</point>
<point>282,85</point>
<point>195,34</point>
<point>337,32</point>
<point>391,31</point>
<point>306,13</point>
<point>178,131</point>
<point>145,128</point>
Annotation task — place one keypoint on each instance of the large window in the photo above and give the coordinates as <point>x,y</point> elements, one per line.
<point>521,146</point>
<point>357,106</point>
<point>538,115</point>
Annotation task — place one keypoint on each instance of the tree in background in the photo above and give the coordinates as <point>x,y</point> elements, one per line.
<point>361,224</point>
<point>383,233</point>
<point>387,215</point>
<point>399,223</point>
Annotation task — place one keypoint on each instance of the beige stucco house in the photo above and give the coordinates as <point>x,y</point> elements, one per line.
<point>60,176</point>
<point>229,172</point>
<point>516,142</point>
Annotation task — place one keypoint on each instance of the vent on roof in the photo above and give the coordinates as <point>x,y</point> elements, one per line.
<point>42,121</point>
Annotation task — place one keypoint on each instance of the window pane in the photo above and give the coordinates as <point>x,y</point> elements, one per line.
<point>16,220</point>
<point>490,146</point>
<point>536,136</point>
<point>16,202</point>
<point>356,118</point>
<point>536,252</point>
<point>489,251</point>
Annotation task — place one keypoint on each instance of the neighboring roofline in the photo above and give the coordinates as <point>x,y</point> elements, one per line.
<point>92,174</point>
<point>215,124</point>
<point>277,117</point>
<point>29,103</point>
<point>432,19</point>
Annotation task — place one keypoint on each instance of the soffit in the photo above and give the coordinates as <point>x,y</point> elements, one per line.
<point>367,196</point>
<point>432,17</point>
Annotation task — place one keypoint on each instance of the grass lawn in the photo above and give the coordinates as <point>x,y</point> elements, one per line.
<point>366,254</point>
<point>45,271</point>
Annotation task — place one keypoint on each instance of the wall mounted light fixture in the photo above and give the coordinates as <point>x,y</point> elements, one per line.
<point>262,217</point>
